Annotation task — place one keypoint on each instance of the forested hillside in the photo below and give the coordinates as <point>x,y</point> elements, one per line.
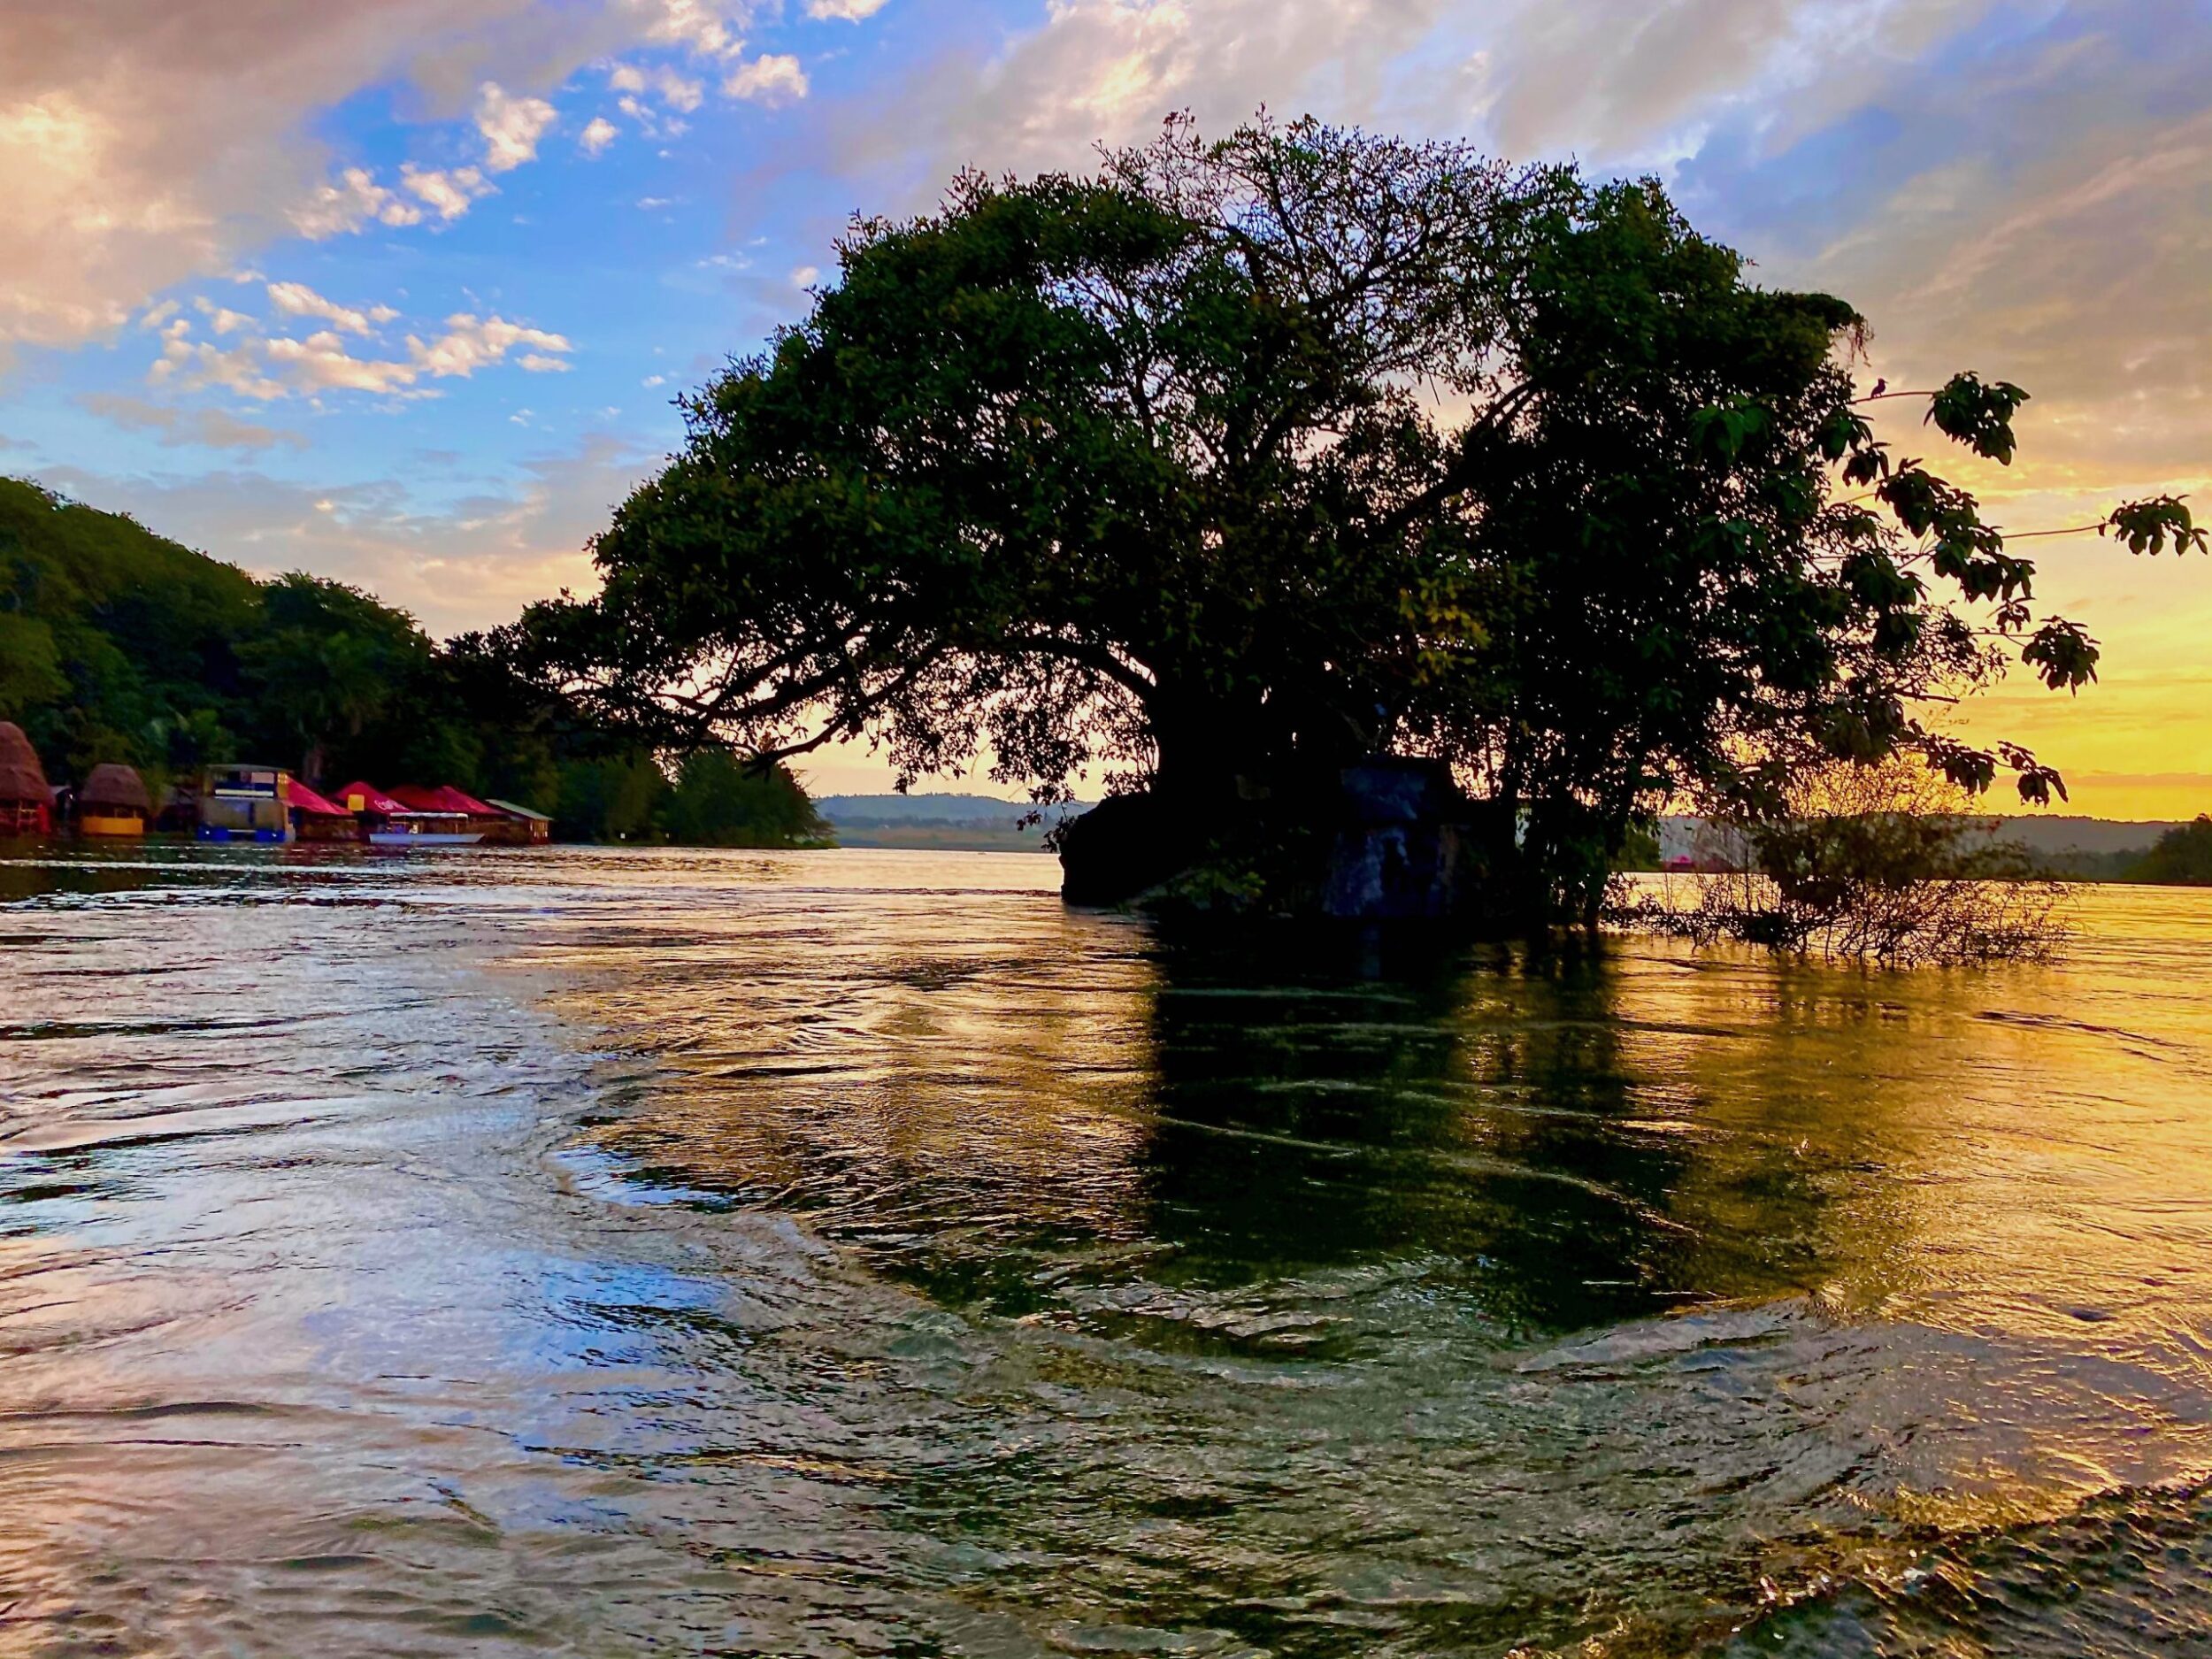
<point>2182,857</point>
<point>117,643</point>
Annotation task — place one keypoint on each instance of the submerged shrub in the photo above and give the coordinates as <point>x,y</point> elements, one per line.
<point>1876,864</point>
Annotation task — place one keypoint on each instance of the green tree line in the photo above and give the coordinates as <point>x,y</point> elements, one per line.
<point>2182,858</point>
<point>118,644</point>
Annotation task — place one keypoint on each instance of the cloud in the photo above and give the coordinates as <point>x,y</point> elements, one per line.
<point>221,318</point>
<point>199,364</point>
<point>769,80</point>
<point>511,127</point>
<point>1111,70</point>
<point>355,198</point>
<point>468,345</point>
<point>702,28</point>
<point>64,158</point>
<point>451,192</point>
<point>847,10</point>
<point>268,370</point>
<point>597,136</point>
<point>676,90</point>
<point>296,299</point>
<point>148,142</point>
<point>205,428</point>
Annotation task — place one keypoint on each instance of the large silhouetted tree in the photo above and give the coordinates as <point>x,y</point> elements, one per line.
<point>1235,461</point>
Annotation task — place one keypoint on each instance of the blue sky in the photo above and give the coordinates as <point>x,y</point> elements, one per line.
<point>400,291</point>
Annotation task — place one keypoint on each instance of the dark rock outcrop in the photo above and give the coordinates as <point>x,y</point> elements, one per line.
<point>1125,846</point>
<point>1390,839</point>
<point>1404,846</point>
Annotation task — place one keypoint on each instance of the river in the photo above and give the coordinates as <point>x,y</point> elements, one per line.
<point>613,1252</point>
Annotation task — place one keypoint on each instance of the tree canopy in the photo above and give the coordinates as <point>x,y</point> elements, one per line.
<point>2181,857</point>
<point>1234,461</point>
<point>119,645</point>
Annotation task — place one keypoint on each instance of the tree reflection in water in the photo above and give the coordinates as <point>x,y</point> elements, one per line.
<point>617,1251</point>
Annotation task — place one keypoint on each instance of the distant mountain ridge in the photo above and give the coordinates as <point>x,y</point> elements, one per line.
<point>968,810</point>
<point>2042,834</point>
<point>942,822</point>
<point>2072,847</point>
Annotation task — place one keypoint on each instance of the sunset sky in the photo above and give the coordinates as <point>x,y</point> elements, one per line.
<point>398,291</point>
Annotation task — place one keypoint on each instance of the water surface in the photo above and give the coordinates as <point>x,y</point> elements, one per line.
<point>626,1252</point>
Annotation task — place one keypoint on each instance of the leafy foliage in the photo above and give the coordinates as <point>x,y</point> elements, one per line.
<point>2151,526</point>
<point>1235,461</point>
<point>718,801</point>
<point>1877,864</point>
<point>2181,857</point>
<point>118,644</point>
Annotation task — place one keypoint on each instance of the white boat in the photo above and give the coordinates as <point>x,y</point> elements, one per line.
<point>425,838</point>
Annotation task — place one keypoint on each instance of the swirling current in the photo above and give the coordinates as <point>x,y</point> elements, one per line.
<point>629,1252</point>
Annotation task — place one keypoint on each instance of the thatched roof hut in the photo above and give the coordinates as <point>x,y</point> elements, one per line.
<point>112,789</point>
<point>22,779</point>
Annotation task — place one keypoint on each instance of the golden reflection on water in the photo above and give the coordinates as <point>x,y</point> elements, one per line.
<point>1591,1134</point>
<point>642,1252</point>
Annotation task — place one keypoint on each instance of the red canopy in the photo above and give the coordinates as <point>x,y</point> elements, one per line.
<point>444,798</point>
<point>313,804</point>
<point>369,799</point>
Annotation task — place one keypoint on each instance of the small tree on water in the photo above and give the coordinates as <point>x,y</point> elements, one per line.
<point>1885,863</point>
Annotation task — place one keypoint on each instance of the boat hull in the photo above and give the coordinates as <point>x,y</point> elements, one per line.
<point>429,838</point>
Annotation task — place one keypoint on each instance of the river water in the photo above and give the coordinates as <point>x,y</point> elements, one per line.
<point>656,1252</point>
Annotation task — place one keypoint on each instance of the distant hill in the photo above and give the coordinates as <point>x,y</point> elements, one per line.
<point>950,823</point>
<point>2081,846</point>
<point>935,809</point>
<point>2044,834</point>
<point>2098,848</point>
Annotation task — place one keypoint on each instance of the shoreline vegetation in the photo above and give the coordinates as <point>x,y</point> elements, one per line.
<point>119,645</point>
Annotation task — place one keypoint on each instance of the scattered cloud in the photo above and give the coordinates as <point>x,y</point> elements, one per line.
<point>654,379</point>
<point>175,428</point>
<point>356,199</point>
<point>677,90</point>
<point>322,363</point>
<point>806,276</point>
<point>510,125</point>
<point>147,144</point>
<point>770,79</point>
<point>268,370</point>
<point>450,192</point>
<point>221,318</point>
<point>846,11</point>
<point>597,136</point>
<point>699,25</point>
<point>296,299</point>
<point>335,207</point>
